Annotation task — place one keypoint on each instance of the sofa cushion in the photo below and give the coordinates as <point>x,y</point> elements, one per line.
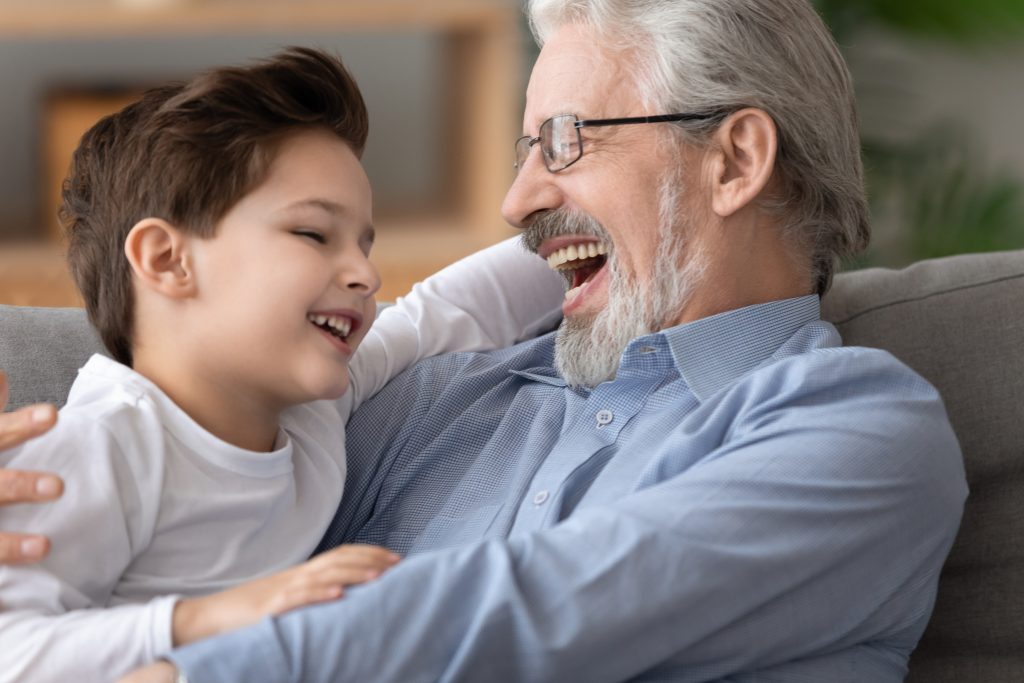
<point>960,323</point>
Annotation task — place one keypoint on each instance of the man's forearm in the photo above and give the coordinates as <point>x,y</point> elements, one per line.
<point>739,579</point>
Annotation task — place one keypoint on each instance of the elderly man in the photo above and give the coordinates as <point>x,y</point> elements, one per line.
<point>691,480</point>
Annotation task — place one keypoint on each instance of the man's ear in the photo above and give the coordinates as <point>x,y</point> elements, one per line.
<point>161,258</point>
<point>747,145</point>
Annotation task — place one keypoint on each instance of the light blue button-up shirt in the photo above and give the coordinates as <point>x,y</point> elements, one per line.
<point>747,500</point>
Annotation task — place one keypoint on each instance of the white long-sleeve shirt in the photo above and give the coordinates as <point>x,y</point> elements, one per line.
<point>155,507</point>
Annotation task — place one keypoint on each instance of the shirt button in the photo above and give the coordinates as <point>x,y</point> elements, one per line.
<point>540,497</point>
<point>604,417</point>
<point>647,349</point>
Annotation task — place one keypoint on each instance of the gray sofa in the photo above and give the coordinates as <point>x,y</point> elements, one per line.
<point>958,321</point>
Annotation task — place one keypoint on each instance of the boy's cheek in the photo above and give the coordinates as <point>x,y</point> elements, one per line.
<point>344,382</point>
<point>369,317</point>
<point>339,389</point>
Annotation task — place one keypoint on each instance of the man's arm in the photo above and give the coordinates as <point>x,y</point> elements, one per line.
<point>489,300</point>
<point>24,487</point>
<point>816,528</point>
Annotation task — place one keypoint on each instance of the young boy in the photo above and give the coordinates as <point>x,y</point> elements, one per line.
<point>219,233</point>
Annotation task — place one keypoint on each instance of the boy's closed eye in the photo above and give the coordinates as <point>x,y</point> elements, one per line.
<point>314,235</point>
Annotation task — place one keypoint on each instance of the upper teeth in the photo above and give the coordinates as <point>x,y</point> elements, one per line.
<point>342,325</point>
<point>576,252</point>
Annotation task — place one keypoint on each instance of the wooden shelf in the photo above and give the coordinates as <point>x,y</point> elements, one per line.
<point>481,51</point>
<point>36,275</point>
<point>77,18</point>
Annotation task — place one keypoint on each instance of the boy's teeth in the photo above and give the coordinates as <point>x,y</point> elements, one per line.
<point>342,325</point>
<point>576,252</point>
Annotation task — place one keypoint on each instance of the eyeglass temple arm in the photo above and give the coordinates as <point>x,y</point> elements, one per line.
<point>661,118</point>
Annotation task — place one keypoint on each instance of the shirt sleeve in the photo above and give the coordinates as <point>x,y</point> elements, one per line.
<point>54,624</point>
<point>489,300</point>
<point>818,526</point>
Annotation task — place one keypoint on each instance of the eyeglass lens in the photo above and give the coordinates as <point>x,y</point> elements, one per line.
<point>560,143</point>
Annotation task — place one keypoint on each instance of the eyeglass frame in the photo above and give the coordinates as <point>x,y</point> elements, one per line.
<point>596,123</point>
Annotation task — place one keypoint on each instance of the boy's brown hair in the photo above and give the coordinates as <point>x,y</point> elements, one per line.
<point>187,153</point>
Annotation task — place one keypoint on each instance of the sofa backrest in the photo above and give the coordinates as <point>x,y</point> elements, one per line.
<point>958,321</point>
<point>41,350</point>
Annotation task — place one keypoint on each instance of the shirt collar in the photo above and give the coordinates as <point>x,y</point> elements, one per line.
<point>543,375</point>
<point>713,352</point>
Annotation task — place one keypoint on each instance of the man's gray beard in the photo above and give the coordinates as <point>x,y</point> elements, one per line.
<point>588,349</point>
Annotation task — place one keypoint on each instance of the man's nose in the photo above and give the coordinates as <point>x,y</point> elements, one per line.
<point>532,190</point>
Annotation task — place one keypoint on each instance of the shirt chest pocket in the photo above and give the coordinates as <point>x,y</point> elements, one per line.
<point>452,530</point>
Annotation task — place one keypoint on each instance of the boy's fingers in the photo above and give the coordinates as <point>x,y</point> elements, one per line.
<point>307,595</point>
<point>346,576</point>
<point>354,563</point>
<point>22,549</point>
<point>367,553</point>
<point>17,486</point>
<point>23,424</point>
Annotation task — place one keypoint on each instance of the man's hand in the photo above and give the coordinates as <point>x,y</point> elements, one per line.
<point>320,579</point>
<point>161,672</point>
<point>24,487</point>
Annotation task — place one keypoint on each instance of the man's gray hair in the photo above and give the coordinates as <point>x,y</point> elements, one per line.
<point>775,55</point>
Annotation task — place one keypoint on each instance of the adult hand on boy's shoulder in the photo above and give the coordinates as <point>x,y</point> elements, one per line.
<point>24,487</point>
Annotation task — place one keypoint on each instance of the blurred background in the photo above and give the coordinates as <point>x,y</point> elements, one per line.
<point>939,82</point>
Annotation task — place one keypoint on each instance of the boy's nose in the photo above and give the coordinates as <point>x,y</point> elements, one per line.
<point>359,275</point>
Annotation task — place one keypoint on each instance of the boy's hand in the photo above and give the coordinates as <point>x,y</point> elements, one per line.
<point>320,579</point>
<point>160,672</point>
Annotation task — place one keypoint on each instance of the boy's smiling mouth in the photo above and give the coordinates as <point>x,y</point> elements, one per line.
<point>337,326</point>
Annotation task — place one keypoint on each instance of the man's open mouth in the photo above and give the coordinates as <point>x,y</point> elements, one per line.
<point>337,326</point>
<point>578,263</point>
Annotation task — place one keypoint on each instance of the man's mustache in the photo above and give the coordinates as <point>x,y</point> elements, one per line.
<point>545,225</point>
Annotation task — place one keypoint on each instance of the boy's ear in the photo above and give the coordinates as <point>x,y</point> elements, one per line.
<point>161,258</point>
<point>747,145</point>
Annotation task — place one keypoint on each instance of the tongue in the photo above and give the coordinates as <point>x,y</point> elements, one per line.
<point>582,275</point>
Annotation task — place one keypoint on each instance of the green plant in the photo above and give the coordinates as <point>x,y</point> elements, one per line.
<point>934,185</point>
<point>950,202</point>
<point>964,22</point>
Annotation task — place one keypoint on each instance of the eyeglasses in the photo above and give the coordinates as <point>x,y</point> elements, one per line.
<point>561,143</point>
